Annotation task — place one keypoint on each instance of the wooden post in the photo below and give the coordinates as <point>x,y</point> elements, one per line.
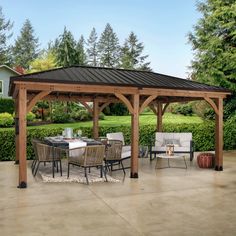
<point>21,147</point>
<point>95,119</point>
<point>159,117</point>
<point>135,137</point>
<point>219,135</point>
<point>17,130</point>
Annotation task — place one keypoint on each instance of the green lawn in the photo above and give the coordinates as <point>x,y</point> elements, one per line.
<point>146,118</point>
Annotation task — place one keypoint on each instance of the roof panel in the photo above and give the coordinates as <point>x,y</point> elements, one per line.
<point>115,77</point>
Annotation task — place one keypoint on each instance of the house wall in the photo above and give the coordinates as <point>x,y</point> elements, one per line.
<point>5,75</point>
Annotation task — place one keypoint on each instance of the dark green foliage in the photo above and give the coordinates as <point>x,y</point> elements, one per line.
<point>5,28</point>
<point>26,45</point>
<point>59,116</point>
<point>183,109</point>
<point>81,115</point>
<point>214,43</point>
<point>7,105</point>
<point>131,54</point>
<point>230,134</point>
<point>108,48</point>
<point>80,50</point>
<point>203,136</point>
<point>92,49</point>
<point>65,49</point>
<point>118,109</point>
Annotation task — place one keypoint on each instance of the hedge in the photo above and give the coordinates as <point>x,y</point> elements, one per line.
<point>7,105</point>
<point>203,136</point>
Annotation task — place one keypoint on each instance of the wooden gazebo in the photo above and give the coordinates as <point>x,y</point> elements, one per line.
<point>102,86</point>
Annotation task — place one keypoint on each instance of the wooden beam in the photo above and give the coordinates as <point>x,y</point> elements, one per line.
<point>213,105</point>
<point>146,102</point>
<point>125,101</point>
<point>103,106</point>
<point>165,107</point>
<point>135,137</point>
<point>159,116</point>
<point>22,137</point>
<point>35,99</point>
<point>219,136</point>
<point>79,88</point>
<point>182,93</point>
<point>95,119</point>
<point>153,108</point>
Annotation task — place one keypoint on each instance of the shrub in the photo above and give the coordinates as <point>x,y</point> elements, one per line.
<point>203,136</point>
<point>230,133</point>
<point>6,120</point>
<point>59,116</point>
<point>81,115</point>
<point>183,109</point>
<point>116,109</point>
<point>30,116</point>
<point>6,105</point>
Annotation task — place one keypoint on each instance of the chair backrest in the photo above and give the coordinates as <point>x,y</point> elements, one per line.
<point>44,152</point>
<point>34,142</point>
<point>94,155</point>
<point>116,136</point>
<point>114,150</point>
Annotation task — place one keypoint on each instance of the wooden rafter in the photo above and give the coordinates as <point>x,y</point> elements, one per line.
<point>35,99</point>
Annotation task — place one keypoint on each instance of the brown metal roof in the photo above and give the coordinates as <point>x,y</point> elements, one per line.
<point>114,77</point>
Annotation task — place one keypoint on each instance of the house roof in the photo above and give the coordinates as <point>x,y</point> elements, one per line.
<point>9,68</point>
<point>114,77</point>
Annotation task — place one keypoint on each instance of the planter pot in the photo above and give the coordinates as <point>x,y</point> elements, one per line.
<point>206,160</point>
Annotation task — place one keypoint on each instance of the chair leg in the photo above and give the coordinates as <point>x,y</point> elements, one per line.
<point>122,167</point>
<point>33,165</point>
<point>101,171</point>
<point>53,164</point>
<point>104,171</point>
<point>60,167</point>
<point>86,175</point>
<point>37,167</point>
<point>68,170</point>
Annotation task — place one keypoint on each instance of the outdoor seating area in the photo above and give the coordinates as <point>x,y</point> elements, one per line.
<point>103,154</point>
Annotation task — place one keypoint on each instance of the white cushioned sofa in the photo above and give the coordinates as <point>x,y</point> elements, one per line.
<point>182,142</point>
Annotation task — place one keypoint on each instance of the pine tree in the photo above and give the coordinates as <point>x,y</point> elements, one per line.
<point>26,45</point>
<point>65,49</point>
<point>131,54</point>
<point>92,50</point>
<point>5,28</point>
<point>214,43</point>
<point>81,55</point>
<point>108,48</point>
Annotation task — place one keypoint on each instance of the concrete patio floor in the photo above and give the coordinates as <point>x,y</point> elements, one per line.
<point>161,202</point>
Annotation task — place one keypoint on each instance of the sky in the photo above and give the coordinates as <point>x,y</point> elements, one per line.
<point>162,25</point>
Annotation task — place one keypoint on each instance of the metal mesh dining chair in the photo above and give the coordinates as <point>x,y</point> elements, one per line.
<point>113,154</point>
<point>87,157</point>
<point>45,153</point>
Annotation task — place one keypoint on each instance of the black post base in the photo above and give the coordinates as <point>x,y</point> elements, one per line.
<point>134,175</point>
<point>22,185</point>
<point>17,162</point>
<point>218,168</point>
